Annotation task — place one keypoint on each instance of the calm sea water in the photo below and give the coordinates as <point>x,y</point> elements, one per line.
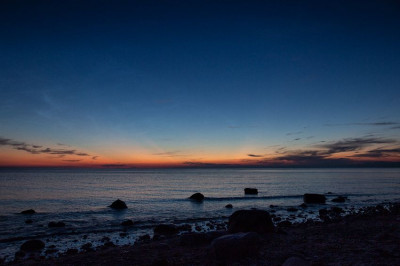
<point>80,197</point>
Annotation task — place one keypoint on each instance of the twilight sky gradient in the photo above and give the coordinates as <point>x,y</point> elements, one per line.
<point>199,83</point>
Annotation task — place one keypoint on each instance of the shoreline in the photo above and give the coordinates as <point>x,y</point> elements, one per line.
<point>369,236</point>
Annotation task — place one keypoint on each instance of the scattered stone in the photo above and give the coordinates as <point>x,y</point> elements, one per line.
<point>56,224</point>
<point>199,239</point>
<point>72,251</point>
<point>197,197</point>
<point>233,246</point>
<point>145,237</point>
<point>250,221</point>
<point>292,210</point>
<point>198,228</point>
<point>229,206</point>
<point>184,227</point>
<point>127,223</point>
<point>29,221</point>
<point>285,223</point>
<point>30,211</point>
<point>165,229</point>
<point>32,245</point>
<point>296,261</point>
<point>105,239</point>
<point>19,254</point>
<point>118,205</point>
<point>303,205</point>
<point>87,247</point>
<point>314,198</point>
<point>337,210</point>
<point>50,251</point>
<point>250,191</point>
<point>339,199</point>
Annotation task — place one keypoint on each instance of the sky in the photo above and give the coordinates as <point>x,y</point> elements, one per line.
<point>199,83</point>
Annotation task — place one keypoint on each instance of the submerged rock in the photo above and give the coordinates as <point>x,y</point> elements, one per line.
<point>250,191</point>
<point>339,199</point>
<point>30,211</point>
<point>165,229</point>
<point>118,205</point>
<point>250,221</point>
<point>127,223</point>
<point>28,221</point>
<point>296,261</point>
<point>314,198</point>
<point>32,245</point>
<point>197,197</point>
<point>56,224</point>
<point>233,246</point>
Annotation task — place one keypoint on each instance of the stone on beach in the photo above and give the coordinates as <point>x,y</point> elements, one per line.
<point>118,205</point>
<point>235,246</point>
<point>166,229</point>
<point>250,221</point>
<point>32,245</point>
<point>250,191</point>
<point>314,198</point>
<point>197,197</point>
<point>30,211</point>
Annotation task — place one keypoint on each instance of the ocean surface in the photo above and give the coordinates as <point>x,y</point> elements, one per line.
<point>80,198</point>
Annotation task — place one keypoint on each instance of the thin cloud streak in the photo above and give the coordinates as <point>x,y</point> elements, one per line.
<point>37,149</point>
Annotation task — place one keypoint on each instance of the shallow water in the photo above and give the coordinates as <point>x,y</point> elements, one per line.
<point>79,197</point>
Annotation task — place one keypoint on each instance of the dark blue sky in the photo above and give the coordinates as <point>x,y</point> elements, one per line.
<point>198,81</point>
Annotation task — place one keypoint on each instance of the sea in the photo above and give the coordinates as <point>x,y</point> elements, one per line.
<point>80,198</point>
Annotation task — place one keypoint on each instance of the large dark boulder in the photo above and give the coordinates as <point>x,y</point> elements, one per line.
<point>165,229</point>
<point>314,198</point>
<point>30,211</point>
<point>56,224</point>
<point>250,191</point>
<point>32,245</point>
<point>235,246</point>
<point>197,197</point>
<point>250,221</point>
<point>118,205</point>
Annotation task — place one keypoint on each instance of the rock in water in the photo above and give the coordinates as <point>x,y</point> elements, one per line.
<point>295,261</point>
<point>30,211</point>
<point>314,198</point>
<point>339,199</point>
<point>165,229</point>
<point>56,224</point>
<point>250,221</point>
<point>250,191</point>
<point>127,223</point>
<point>118,205</point>
<point>229,206</point>
<point>235,246</point>
<point>32,245</point>
<point>197,197</point>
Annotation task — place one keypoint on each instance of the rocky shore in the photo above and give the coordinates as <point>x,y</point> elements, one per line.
<point>369,236</point>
